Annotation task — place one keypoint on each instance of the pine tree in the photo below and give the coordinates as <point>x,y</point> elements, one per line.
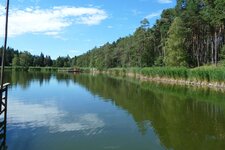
<point>175,50</point>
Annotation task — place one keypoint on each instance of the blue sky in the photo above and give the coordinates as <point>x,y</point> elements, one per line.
<point>61,27</point>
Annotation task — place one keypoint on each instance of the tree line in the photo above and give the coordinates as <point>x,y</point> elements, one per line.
<point>191,35</point>
<point>25,59</point>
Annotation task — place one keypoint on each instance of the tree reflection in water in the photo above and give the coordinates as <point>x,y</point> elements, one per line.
<point>182,117</point>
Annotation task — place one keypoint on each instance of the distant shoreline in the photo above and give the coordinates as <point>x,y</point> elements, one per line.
<point>211,77</point>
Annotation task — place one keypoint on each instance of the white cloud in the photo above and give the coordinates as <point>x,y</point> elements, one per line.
<point>53,33</point>
<point>153,15</point>
<point>49,21</point>
<point>165,1</point>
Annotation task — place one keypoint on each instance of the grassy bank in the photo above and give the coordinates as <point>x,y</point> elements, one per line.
<point>207,75</point>
<point>42,69</point>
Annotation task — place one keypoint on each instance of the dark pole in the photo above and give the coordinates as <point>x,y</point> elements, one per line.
<point>5,44</point>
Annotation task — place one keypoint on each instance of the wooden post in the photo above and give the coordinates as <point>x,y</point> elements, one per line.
<point>5,44</point>
<point>3,52</point>
<point>5,114</point>
<point>4,87</point>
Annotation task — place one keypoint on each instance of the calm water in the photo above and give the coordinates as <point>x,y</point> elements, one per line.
<point>86,112</point>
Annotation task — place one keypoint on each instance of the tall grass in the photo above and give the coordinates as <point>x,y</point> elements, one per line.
<point>17,68</point>
<point>43,69</point>
<point>168,72</point>
<point>203,74</point>
<point>206,74</point>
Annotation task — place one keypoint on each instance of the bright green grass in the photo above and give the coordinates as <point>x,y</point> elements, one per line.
<point>205,73</point>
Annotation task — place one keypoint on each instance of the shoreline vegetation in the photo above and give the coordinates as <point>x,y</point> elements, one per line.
<point>212,77</point>
<point>206,76</point>
<point>185,46</point>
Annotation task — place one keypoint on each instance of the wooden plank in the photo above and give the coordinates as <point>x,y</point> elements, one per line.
<point>3,104</point>
<point>6,84</point>
<point>2,111</point>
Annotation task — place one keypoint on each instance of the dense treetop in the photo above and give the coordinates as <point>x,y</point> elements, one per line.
<point>26,59</point>
<point>191,34</point>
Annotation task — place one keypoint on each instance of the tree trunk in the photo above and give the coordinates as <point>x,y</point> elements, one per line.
<point>222,34</point>
<point>193,48</point>
<point>215,44</point>
<point>207,49</point>
<point>212,50</point>
<point>198,51</point>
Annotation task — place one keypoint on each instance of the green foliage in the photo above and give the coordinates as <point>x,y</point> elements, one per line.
<point>44,69</point>
<point>201,74</point>
<point>25,59</point>
<point>175,50</point>
<point>159,61</point>
<point>207,74</point>
<point>222,54</point>
<point>166,72</point>
<point>16,61</point>
<point>144,23</point>
<point>9,55</point>
<point>191,34</point>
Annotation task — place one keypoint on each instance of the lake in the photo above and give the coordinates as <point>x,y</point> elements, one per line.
<point>98,112</point>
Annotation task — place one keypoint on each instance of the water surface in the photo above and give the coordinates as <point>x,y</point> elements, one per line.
<point>96,112</point>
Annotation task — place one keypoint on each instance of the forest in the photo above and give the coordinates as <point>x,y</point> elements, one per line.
<point>190,35</point>
<point>26,59</point>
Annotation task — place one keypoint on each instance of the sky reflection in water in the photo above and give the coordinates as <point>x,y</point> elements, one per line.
<point>38,115</point>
